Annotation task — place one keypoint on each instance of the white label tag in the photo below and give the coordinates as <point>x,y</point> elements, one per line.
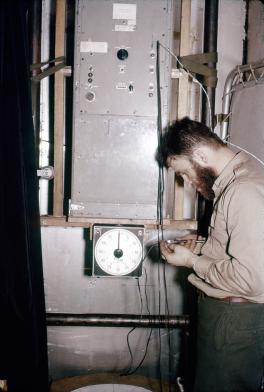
<point>76,207</point>
<point>132,22</point>
<point>124,28</point>
<point>124,11</point>
<point>95,47</point>
<point>121,86</point>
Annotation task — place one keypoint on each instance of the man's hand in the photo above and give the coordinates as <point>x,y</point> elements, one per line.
<point>191,244</point>
<point>178,255</point>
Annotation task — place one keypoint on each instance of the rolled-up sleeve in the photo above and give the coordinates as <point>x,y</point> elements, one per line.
<point>242,270</point>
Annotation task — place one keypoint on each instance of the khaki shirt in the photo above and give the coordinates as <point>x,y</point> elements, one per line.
<point>232,259</point>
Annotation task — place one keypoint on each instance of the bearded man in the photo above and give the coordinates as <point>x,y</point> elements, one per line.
<point>228,270</point>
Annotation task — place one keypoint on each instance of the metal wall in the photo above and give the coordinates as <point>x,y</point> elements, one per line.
<point>69,288</point>
<point>247,116</point>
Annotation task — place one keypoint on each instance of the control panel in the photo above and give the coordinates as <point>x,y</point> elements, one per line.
<point>115,106</point>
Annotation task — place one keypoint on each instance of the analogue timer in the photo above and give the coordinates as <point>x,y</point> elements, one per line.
<point>117,251</point>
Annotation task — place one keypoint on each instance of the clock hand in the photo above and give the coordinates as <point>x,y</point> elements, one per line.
<point>118,252</point>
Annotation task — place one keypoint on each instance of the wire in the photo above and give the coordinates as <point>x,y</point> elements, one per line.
<point>208,100</point>
<point>145,291</point>
<point>129,333</point>
<point>211,127</point>
<point>160,220</point>
<point>243,149</point>
<point>142,360</point>
<point>185,69</point>
<point>129,372</point>
<point>159,198</point>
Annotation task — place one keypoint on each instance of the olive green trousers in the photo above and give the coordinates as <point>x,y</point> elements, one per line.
<point>230,347</point>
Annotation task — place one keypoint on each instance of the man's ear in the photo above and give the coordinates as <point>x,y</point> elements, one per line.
<point>200,156</point>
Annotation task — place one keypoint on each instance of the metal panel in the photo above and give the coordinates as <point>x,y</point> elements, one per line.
<point>115,174</point>
<point>115,171</point>
<point>70,288</point>
<point>247,114</point>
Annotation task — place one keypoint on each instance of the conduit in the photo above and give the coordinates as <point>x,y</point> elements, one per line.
<point>210,45</point>
<point>117,320</point>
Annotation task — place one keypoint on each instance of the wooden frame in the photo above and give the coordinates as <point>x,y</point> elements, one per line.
<point>176,187</point>
<point>59,111</point>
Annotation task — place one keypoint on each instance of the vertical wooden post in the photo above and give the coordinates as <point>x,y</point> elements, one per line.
<point>59,111</point>
<point>184,97</point>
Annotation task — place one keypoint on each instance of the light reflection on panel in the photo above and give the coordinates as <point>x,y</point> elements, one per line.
<point>246,127</point>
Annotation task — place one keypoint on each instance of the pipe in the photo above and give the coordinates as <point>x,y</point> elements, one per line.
<point>117,320</point>
<point>35,35</point>
<point>210,45</point>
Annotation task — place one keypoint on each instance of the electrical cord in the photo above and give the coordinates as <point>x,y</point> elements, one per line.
<point>225,140</point>
<point>130,371</point>
<point>159,198</point>
<point>187,71</point>
<point>160,219</point>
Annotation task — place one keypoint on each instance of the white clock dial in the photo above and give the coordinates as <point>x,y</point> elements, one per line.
<point>118,252</point>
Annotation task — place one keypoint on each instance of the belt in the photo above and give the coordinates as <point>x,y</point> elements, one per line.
<point>235,299</point>
<point>227,299</point>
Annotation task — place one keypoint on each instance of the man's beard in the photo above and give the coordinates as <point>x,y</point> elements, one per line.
<point>205,178</point>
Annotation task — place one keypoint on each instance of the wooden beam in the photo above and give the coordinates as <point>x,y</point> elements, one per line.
<point>59,111</point>
<point>184,97</point>
<point>88,222</point>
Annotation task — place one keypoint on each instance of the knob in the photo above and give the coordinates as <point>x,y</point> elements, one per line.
<point>122,54</point>
<point>118,253</point>
<point>90,96</point>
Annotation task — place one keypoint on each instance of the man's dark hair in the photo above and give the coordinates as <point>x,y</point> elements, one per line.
<point>183,136</point>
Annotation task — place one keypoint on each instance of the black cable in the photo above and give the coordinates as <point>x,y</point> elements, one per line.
<point>129,333</point>
<point>144,356</point>
<point>160,196</point>
<point>129,371</point>
<point>130,353</point>
<point>145,285</point>
<point>160,212</point>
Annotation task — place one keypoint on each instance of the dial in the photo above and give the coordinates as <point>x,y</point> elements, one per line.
<point>118,252</point>
<point>122,54</point>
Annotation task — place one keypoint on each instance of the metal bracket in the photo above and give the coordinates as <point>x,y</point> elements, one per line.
<point>221,118</point>
<point>196,63</point>
<point>46,172</point>
<point>60,65</point>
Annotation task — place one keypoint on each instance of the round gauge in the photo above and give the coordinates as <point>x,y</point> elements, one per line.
<point>118,252</point>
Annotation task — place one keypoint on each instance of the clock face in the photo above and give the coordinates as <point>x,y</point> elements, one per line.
<point>118,251</point>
